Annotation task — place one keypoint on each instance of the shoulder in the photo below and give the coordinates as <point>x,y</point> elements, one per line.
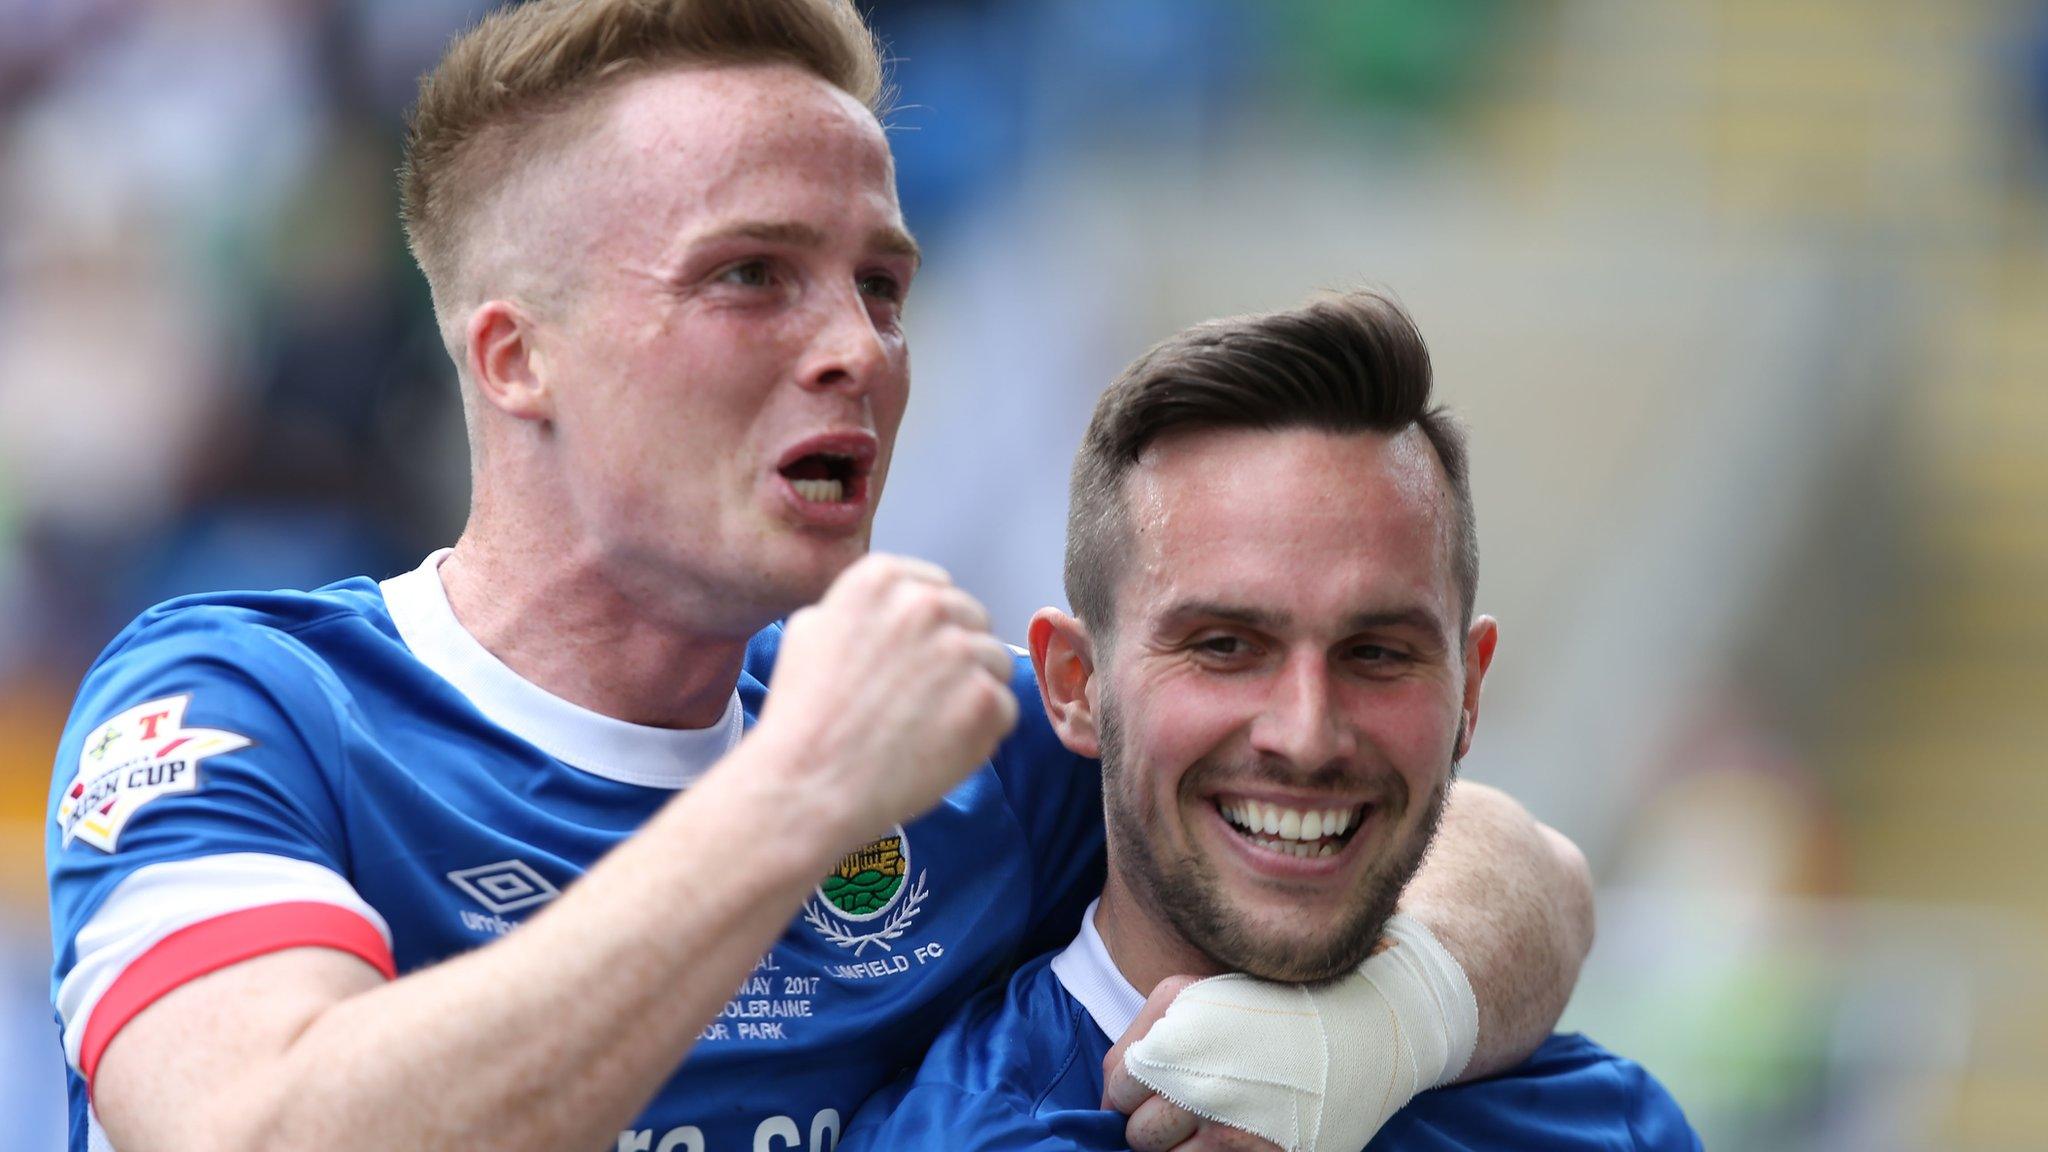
<point>192,682</point>
<point>266,631</point>
<point>250,648</point>
<point>1573,1091</point>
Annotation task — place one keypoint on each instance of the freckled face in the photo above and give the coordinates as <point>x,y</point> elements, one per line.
<point>730,368</point>
<point>1281,699</point>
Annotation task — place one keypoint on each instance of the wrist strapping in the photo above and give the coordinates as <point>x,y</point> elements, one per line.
<point>1316,1068</point>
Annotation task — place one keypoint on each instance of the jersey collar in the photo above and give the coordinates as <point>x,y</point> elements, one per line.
<point>1091,977</point>
<point>575,735</point>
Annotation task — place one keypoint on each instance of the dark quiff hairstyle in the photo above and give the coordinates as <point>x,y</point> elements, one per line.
<point>1348,363</point>
<point>525,63</point>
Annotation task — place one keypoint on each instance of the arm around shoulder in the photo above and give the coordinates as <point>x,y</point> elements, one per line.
<point>1512,901</point>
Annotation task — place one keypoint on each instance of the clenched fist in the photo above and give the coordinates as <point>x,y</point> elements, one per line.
<point>890,689</point>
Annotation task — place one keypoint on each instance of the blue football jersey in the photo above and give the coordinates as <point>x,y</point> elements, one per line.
<point>1020,1068</point>
<point>349,768</point>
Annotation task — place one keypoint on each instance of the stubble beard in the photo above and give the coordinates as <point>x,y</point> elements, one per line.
<point>1182,889</point>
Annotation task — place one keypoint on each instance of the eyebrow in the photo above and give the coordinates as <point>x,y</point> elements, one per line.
<point>1413,618</point>
<point>1421,619</point>
<point>888,240</point>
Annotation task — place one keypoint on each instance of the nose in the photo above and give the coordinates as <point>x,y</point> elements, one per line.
<point>1301,722</point>
<point>847,353</point>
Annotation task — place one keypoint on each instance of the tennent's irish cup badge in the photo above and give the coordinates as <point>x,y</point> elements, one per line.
<point>138,756</point>
<point>869,897</point>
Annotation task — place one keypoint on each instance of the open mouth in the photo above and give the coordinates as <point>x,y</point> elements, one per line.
<point>825,478</point>
<point>832,470</point>
<point>1302,832</point>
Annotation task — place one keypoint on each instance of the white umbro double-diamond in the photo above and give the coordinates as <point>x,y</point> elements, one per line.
<point>506,886</point>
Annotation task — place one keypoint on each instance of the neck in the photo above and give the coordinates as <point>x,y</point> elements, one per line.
<point>1144,947</point>
<point>560,620</point>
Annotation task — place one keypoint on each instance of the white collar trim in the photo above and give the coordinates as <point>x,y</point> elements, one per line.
<point>1090,976</point>
<point>575,735</point>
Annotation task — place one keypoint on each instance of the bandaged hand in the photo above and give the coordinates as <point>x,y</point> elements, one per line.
<point>1310,1068</point>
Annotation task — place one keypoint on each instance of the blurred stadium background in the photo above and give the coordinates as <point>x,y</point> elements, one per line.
<point>1745,300</point>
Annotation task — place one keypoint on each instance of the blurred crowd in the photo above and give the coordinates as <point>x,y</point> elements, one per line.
<point>218,369</point>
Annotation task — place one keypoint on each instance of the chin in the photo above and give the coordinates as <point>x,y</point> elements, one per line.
<point>1302,962</point>
<point>1274,938</point>
<point>1303,957</point>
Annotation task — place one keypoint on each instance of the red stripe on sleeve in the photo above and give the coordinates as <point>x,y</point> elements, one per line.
<point>210,945</point>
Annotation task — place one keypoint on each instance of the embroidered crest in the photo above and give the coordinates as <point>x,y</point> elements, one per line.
<point>868,898</point>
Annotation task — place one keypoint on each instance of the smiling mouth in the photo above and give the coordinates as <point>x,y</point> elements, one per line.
<point>1303,832</point>
<point>827,478</point>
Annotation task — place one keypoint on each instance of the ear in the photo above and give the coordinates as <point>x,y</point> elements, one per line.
<point>1063,657</point>
<point>505,361</point>
<point>1479,645</point>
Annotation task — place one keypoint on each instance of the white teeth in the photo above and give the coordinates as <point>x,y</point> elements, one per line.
<point>820,491</point>
<point>1276,826</point>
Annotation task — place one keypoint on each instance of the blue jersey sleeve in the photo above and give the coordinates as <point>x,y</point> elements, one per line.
<point>195,818</point>
<point>1057,797</point>
<point>1571,1094</point>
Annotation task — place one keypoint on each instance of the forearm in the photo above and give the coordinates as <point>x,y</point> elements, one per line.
<point>553,1037</point>
<point>1512,901</point>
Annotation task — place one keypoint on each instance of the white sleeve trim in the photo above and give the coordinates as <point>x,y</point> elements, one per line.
<point>156,900</point>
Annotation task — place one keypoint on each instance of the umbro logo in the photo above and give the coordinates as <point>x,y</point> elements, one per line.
<point>507,886</point>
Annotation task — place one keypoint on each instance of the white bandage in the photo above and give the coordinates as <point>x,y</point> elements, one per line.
<point>1316,1068</point>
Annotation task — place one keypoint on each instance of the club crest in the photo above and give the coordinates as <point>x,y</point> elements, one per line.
<point>868,898</point>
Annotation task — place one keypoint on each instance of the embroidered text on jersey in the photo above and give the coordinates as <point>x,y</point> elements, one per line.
<point>139,755</point>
